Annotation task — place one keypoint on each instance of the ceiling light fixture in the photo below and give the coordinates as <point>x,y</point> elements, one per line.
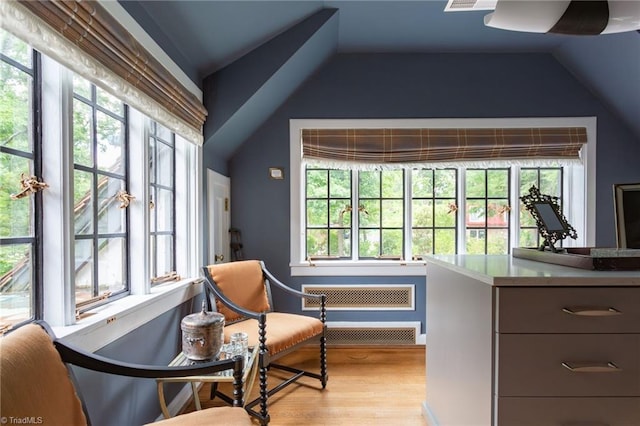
<point>575,17</point>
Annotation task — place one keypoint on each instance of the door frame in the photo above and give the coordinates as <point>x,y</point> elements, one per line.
<point>218,217</point>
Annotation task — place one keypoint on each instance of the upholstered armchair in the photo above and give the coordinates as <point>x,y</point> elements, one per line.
<point>241,291</point>
<point>35,380</point>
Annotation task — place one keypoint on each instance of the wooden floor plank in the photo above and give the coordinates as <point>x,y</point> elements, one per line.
<point>367,386</point>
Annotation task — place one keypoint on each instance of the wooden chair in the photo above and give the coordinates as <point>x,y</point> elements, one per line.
<point>37,383</point>
<point>242,293</point>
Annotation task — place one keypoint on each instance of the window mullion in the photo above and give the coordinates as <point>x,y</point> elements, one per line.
<point>188,218</point>
<point>408,215</point>
<point>355,216</point>
<point>57,171</point>
<point>461,228</point>
<point>514,200</point>
<point>486,211</point>
<point>139,209</point>
<point>38,303</point>
<point>94,190</point>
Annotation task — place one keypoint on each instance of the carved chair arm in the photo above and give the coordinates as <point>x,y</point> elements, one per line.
<point>91,361</point>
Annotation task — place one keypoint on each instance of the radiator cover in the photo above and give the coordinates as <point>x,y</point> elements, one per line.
<point>378,297</point>
<point>368,333</point>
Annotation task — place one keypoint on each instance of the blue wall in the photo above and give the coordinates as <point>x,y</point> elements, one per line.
<point>414,86</point>
<point>117,401</point>
<point>365,86</point>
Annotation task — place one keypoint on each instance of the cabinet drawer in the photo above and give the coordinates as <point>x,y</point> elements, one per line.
<point>568,310</point>
<point>564,364</point>
<point>568,411</point>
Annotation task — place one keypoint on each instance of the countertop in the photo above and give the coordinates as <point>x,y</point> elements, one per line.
<point>505,270</point>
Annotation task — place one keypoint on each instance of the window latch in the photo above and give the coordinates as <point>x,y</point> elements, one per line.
<point>169,276</point>
<point>125,199</point>
<point>30,185</point>
<point>504,209</point>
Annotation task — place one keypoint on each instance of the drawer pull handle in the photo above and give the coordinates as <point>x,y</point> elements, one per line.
<point>591,367</point>
<point>591,311</point>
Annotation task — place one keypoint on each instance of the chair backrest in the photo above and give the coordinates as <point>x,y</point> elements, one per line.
<point>35,382</point>
<point>243,283</point>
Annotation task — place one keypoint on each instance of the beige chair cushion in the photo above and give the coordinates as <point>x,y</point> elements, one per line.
<point>35,382</point>
<point>283,330</point>
<point>242,283</point>
<point>230,416</point>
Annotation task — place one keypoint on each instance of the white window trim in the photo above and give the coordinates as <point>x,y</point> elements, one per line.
<point>119,317</point>
<point>57,200</point>
<point>579,203</point>
<point>109,322</point>
<point>139,208</point>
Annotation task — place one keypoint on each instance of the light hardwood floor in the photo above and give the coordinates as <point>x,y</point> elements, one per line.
<point>367,386</point>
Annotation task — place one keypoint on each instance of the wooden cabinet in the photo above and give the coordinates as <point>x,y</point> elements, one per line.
<point>568,309</point>
<point>554,411</point>
<point>514,342</point>
<point>577,344</point>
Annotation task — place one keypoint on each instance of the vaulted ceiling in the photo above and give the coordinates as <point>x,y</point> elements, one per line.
<point>205,37</point>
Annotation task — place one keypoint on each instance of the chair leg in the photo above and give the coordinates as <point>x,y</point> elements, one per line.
<point>323,342</point>
<point>264,411</point>
<point>323,362</point>
<point>214,389</point>
<point>262,338</point>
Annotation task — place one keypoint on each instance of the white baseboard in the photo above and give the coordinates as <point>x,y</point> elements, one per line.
<point>421,339</point>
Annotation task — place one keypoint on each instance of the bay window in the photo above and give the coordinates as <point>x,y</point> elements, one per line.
<point>385,195</point>
<point>76,202</point>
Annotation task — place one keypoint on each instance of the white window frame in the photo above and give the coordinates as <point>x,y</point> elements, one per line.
<point>117,318</point>
<point>113,320</point>
<point>580,184</point>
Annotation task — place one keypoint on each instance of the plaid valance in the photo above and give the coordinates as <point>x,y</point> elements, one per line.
<point>89,27</point>
<point>433,145</point>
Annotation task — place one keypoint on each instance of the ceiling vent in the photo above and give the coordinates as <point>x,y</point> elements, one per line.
<point>466,5</point>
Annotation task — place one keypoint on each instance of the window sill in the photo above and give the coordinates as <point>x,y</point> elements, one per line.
<point>107,323</point>
<point>359,268</point>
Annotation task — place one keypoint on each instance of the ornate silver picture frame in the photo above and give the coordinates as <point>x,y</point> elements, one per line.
<point>551,223</point>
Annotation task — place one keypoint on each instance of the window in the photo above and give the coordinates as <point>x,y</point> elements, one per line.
<point>433,208</point>
<point>329,209</point>
<point>380,214</point>
<point>99,182</point>
<point>487,207</point>
<point>356,216</point>
<point>549,181</point>
<point>19,159</point>
<point>162,201</point>
<point>433,211</point>
<point>94,213</point>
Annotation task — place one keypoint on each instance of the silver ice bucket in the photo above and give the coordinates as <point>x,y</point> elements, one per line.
<point>202,334</point>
